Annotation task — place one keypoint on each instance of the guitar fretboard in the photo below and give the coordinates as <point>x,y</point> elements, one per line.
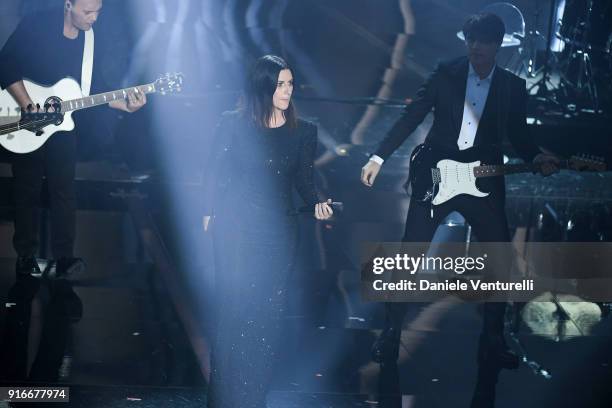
<point>502,169</point>
<point>103,98</point>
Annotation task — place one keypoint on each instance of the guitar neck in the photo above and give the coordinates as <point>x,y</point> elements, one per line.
<point>104,98</point>
<point>503,169</point>
<point>31,122</point>
<point>12,123</point>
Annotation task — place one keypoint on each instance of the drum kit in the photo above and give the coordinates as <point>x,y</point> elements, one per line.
<point>570,69</point>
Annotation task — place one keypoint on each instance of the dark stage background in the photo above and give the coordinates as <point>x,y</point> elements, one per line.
<point>144,302</point>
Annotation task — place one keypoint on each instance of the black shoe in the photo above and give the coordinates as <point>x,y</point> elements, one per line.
<point>67,268</point>
<point>385,349</point>
<point>492,349</point>
<point>26,266</point>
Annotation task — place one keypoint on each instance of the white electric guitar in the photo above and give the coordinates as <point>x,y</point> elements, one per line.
<point>438,175</point>
<point>33,129</point>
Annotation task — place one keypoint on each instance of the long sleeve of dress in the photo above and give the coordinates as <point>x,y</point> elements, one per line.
<point>304,178</point>
<point>214,178</point>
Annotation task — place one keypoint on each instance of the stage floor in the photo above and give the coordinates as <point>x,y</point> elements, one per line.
<point>115,339</point>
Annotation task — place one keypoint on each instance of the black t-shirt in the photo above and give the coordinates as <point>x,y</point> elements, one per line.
<point>38,51</point>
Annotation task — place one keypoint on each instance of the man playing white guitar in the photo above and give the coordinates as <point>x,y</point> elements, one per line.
<point>45,48</point>
<point>476,105</point>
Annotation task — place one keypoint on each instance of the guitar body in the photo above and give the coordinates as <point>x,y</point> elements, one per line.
<point>437,175</point>
<point>24,141</point>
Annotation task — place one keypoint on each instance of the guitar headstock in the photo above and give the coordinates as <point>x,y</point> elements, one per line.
<point>169,83</point>
<point>585,162</point>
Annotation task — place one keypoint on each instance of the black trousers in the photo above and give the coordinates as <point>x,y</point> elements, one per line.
<point>486,216</point>
<point>56,160</point>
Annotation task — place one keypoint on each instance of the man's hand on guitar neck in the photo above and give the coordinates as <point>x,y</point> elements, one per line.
<point>135,100</point>
<point>548,163</point>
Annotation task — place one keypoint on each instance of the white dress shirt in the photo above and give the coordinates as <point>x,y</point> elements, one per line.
<point>476,92</point>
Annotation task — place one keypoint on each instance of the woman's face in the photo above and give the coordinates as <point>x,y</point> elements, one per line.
<point>284,89</point>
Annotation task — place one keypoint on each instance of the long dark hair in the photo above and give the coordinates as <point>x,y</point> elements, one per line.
<point>256,102</point>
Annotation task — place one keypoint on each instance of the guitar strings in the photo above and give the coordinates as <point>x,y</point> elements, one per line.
<point>24,126</point>
<point>11,127</point>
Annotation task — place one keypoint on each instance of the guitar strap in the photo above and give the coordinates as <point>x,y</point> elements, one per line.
<point>87,67</point>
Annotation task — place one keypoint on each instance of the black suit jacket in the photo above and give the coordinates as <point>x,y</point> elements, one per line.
<point>504,114</point>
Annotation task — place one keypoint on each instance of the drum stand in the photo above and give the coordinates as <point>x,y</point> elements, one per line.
<point>579,58</point>
<point>542,85</point>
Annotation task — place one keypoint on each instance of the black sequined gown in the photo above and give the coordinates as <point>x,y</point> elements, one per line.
<point>249,189</point>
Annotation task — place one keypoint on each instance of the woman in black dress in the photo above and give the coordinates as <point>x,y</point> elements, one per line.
<point>260,153</point>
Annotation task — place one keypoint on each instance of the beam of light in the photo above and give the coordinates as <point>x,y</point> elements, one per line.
<point>146,41</point>
<point>258,29</point>
<point>139,55</point>
<point>160,11</point>
<point>178,135</point>
<point>231,28</point>
<point>174,54</point>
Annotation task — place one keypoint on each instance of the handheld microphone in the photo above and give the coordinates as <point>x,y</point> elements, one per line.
<point>337,206</point>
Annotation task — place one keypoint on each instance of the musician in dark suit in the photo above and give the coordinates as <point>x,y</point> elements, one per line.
<point>45,48</point>
<point>475,104</point>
